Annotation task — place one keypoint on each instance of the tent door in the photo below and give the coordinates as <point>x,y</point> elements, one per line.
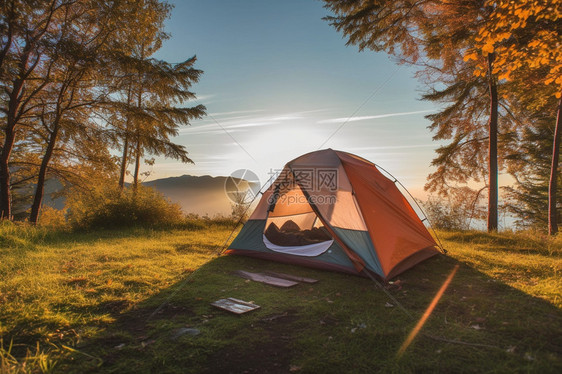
<point>293,227</point>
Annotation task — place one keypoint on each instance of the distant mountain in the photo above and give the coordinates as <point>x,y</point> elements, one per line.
<point>204,195</point>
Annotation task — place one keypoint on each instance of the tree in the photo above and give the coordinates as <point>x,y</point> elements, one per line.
<point>28,26</point>
<point>162,88</point>
<point>64,65</point>
<point>526,35</point>
<point>460,21</point>
<point>68,100</point>
<point>433,34</point>
<point>147,111</point>
<point>530,165</point>
<point>132,56</point>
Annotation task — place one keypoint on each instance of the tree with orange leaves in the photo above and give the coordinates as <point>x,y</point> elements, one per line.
<point>526,38</point>
<point>434,34</point>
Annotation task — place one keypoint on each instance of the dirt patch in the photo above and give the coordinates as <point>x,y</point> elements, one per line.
<point>135,321</point>
<point>270,355</point>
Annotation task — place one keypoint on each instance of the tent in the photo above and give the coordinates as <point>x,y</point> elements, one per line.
<point>336,211</point>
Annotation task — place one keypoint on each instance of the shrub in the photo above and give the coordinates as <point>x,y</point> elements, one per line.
<point>108,207</point>
<point>52,218</point>
<point>446,215</point>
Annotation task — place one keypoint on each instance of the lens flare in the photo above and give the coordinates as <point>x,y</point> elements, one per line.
<point>427,313</point>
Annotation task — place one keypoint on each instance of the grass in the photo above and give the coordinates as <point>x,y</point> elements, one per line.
<point>118,301</point>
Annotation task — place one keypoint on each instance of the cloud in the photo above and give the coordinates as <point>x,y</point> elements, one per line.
<point>393,147</point>
<point>239,123</point>
<point>220,114</point>
<point>364,118</point>
<point>251,124</point>
<point>201,97</point>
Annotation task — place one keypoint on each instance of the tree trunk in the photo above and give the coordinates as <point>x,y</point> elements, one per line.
<point>15,102</point>
<point>39,189</point>
<point>492,150</point>
<point>5,194</point>
<point>124,160</point>
<point>8,146</point>
<point>552,186</point>
<point>138,125</point>
<point>137,165</point>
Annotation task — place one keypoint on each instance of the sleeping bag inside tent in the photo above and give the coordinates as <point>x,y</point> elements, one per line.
<point>336,211</point>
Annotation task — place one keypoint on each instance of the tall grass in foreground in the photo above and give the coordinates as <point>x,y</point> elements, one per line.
<point>33,361</point>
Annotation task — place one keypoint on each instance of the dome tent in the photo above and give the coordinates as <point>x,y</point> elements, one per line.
<point>336,211</point>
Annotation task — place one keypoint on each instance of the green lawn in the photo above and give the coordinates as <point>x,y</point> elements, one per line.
<point>116,302</point>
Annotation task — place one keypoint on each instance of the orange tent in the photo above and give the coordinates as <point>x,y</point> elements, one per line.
<point>334,210</point>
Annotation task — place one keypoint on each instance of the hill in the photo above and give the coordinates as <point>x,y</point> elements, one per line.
<point>203,195</point>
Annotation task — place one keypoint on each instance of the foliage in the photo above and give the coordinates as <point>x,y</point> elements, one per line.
<point>492,66</point>
<point>525,37</point>
<point>430,34</point>
<point>53,219</point>
<point>63,65</point>
<point>456,212</point>
<point>113,301</point>
<point>530,165</point>
<point>147,94</point>
<point>106,206</point>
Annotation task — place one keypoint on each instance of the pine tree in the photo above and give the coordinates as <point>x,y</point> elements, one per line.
<point>527,37</point>
<point>150,92</point>
<point>434,35</point>
<point>530,165</point>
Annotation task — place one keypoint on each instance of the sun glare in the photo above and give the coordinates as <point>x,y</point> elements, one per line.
<point>427,313</point>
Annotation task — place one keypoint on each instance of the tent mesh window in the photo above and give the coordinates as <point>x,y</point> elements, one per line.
<point>291,221</point>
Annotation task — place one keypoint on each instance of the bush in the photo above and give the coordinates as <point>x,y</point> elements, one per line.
<point>108,207</point>
<point>462,208</point>
<point>53,219</point>
<point>445,215</point>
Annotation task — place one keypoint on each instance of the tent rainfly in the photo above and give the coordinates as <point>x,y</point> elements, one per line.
<point>336,211</point>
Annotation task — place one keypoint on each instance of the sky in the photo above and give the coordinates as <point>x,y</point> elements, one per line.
<point>279,82</point>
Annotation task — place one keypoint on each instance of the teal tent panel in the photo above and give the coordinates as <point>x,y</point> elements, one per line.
<point>360,243</point>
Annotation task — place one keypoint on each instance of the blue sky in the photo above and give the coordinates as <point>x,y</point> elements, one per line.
<point>279,81</point>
